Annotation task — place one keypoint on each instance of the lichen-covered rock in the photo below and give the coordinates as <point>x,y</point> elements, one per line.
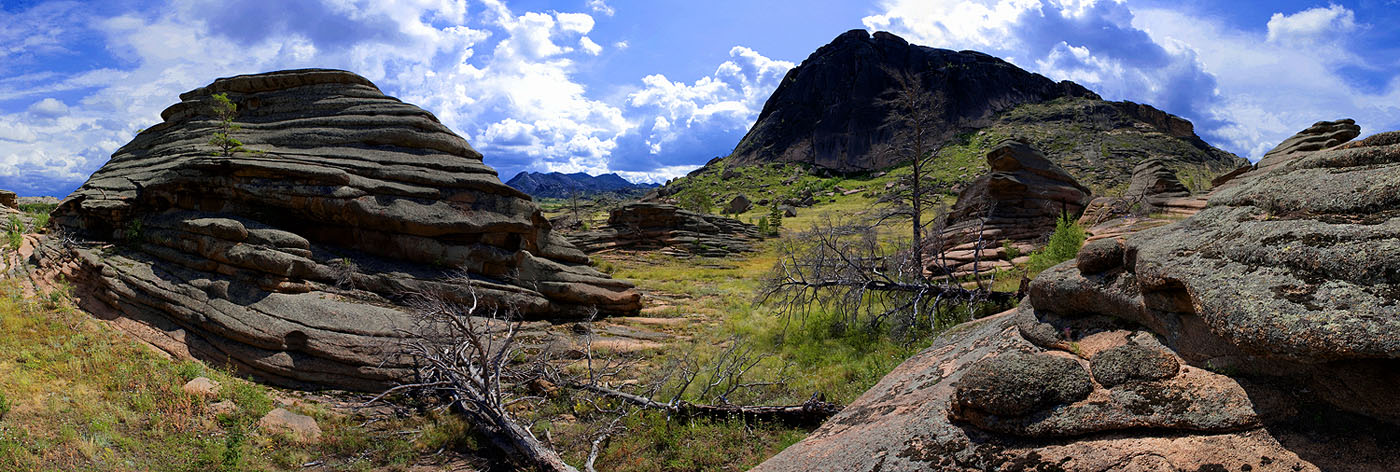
<point>912,421</point>
<point>654,226</point>
<point>292,260</point>
<point>1017,383</point>
<point>1258,334</point>
<point>1099,256</point>
<point>1132,363</point>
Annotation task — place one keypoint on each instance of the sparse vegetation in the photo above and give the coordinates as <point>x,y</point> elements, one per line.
<point>225,111</point>
<point>1064,244</point>
<point>120,407</point>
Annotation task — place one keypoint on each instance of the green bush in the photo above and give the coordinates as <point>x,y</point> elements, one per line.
<point>1064,245</point>
<point>1008,251</point>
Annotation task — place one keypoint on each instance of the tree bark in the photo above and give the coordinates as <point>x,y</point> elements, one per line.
<point>811,413</point>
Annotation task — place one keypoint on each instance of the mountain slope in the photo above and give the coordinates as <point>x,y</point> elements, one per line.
<point>826,111</point>
<point>559,185</point>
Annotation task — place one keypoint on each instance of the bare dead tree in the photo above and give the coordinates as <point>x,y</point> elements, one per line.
<point>915,122</point>
<point>469,358</point>
<point>470,353</point>
<point>845,266</point>
<point>718,382</point>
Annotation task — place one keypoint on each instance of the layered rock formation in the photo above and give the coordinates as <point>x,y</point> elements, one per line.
<point>1016,204</point>
<point>826,111</point>
<point>659,226</point>
<point>1257,335</point>
<point>293,260</point>
<point>1153,189</point>
<point>9,199</point>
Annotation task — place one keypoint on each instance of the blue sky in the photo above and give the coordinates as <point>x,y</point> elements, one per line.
<point>652,89</point>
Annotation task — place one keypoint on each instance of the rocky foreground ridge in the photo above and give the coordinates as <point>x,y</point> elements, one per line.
<point>1259,334</point>
<point>294,260</point>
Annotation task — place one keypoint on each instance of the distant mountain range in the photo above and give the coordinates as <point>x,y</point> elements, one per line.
<point>559,185</point>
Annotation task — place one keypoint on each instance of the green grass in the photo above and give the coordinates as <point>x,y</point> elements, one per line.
<point>38,208</point>
<point>81,397</point>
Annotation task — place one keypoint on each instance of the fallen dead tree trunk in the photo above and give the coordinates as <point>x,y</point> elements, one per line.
<point>810,413</point>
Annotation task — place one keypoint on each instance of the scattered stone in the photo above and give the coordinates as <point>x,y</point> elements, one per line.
<point>202,387</point>
<point>301,427</point>
<point>738,205</point>
<point>223,407</point>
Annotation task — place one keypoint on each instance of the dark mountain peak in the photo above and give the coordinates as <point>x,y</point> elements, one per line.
<point>561,185</point>
<point>826,112</point>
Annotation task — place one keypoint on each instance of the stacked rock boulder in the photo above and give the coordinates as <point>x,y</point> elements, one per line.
<point>658,226</point>
<point>1018,203</point>
<point>1256,335</point>
<point>294,259</point>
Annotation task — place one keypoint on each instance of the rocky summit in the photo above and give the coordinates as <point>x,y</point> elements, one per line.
<point>826,111</point>
<point>1256,335</point>
<point>293,258</point>
<point>658,226</point>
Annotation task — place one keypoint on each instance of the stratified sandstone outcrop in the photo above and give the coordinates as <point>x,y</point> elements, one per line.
<point>9,199</point>
<point>293,260</point>
<point>1321,135</point>
<point>658,226</point>
<point>1257,335</point>
<point>826,112</point>
<point>1154,188</point>
<point>1017,203</point>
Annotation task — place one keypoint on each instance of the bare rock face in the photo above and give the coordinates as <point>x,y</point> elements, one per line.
<point>826,112</point>
<point>1018,201</point>
<point>1259,334</point>
<point>9,199</point>
<point>658,226</point>
<point>293,260</point>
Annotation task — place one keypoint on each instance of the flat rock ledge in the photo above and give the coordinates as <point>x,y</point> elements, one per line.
<point>296,258</point>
